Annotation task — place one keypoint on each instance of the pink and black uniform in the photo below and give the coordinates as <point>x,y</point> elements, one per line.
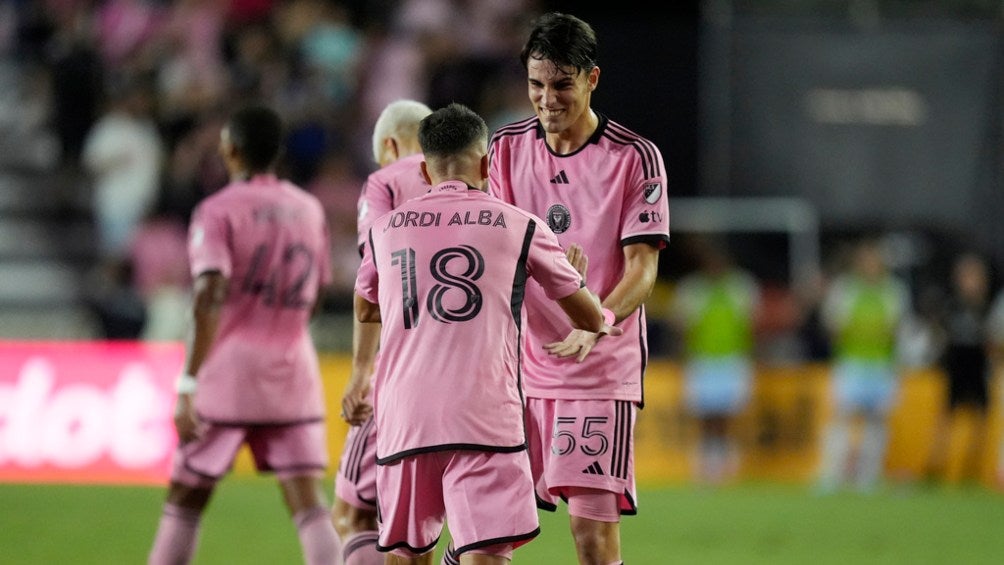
<point>449,271</point>
<point>608,194</point>
<point>385,189</point>
<point>269,239</point>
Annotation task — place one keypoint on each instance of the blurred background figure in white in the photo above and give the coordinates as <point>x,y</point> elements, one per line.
<point>124,155</point>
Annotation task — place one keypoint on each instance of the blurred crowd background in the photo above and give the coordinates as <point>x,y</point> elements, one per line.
<point>789,130</point>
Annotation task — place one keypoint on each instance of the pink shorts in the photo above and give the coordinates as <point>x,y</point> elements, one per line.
<point>584,444</point>
<point>486,497</point>
<point>355,482</point>
<point>288,450</point>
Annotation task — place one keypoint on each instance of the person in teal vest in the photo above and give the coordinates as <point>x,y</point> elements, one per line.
<point>714,309</point>
<point>862,312</point>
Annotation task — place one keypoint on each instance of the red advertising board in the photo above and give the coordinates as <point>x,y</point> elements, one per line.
<point>87,412</point>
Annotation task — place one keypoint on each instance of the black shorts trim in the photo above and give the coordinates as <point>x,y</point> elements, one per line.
<point>544,505</point>
<point>450,447</point>
<point>253,424</point>
<point>404,544</point>
<point>489,542</point>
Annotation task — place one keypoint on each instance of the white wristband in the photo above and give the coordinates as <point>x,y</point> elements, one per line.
<point>186,384</point>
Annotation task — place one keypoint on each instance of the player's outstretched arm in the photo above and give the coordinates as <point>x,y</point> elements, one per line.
<point>635,286</point>
<point>209,294</point>
<point>641,268</point>
<point>365,343</point>
<point>592,322</point>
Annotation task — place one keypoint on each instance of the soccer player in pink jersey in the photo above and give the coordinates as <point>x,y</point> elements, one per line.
<point>354,513</point>
<point>445,274</point>
<point>602,186</point>
<point>258,250</point>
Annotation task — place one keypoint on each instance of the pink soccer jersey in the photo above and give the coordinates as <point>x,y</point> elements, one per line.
<point>448,271</point>
<point>270,240</point>
<point>609,193</point>
<point>386,188</point>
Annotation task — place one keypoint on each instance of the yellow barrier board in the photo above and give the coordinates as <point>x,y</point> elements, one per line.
<point>781,429</point>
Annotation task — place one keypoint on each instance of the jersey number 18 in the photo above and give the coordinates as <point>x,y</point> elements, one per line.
<point>472,266</point>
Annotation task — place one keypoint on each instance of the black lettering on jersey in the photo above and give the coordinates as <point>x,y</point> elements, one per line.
<point>412,219</point>
<point>479,218</point>
<point>277,214</point>
<point>650,216</point>
<point>285,286</point>
<point>472,264</point>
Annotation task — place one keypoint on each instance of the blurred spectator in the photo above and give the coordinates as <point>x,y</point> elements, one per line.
<point>194,168</point>
<point>115,302</point>
<point>337,186</point>
<point>331,66</point>
<point>125,32</point>
<point>862,312</point>
<point>307,142</point>
<point>77,76</point>
<point>192,73</point>
<point>160,275</point>
<point>503,100</point>
<point>995,332</point>
<point>471,43</point>
<point>714,309</point>
<point>812,336</point>
<point>9,22</point>
<point>394,62</point>
<point>959,440</point>
<point>328,44</point>
<point>123,152</point>
<point>249,12</point>
<point>256,66</point>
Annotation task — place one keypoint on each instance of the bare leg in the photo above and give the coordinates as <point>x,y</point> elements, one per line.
<point>349,520</point>
<point>596,543</point>
<point>424,559</point>
<point>482,559</point>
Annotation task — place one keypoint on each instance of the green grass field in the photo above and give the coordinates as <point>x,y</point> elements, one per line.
<point>747,524</point>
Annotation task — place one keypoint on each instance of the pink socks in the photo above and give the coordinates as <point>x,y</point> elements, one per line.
<point>177,536</point>
<point>317,536</point>
<point>360,549</point>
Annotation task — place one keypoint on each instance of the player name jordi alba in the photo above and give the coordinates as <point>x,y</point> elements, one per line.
<point>412,219</point>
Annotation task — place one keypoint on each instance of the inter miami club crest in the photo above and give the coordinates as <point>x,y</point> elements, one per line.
<point>653,192</point>
<point>558,218</point>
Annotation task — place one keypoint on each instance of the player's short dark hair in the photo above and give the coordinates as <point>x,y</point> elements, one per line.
<point>450,130</point>
<point>256,133</point>
<point>562,39</point>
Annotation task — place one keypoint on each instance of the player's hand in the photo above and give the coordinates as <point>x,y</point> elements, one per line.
<point>186,421</point>
<point>355,408</point>
<point>577,257</point>
<point>578,343</point>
